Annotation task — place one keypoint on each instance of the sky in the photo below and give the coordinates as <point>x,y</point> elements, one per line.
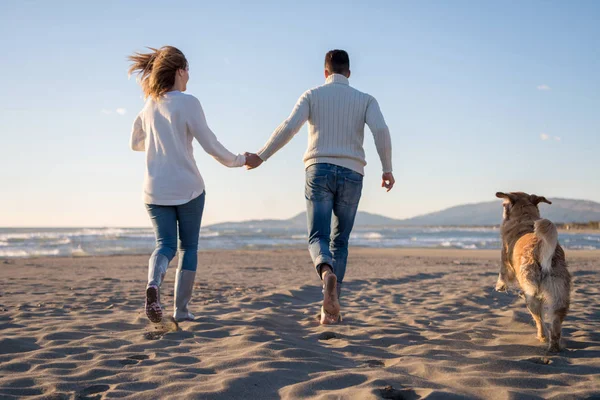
<point>479,97</point>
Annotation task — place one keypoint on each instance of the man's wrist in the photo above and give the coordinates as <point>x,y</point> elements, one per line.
<point>262,156</point>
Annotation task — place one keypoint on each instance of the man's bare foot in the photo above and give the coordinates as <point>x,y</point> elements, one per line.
<point>330,312</point>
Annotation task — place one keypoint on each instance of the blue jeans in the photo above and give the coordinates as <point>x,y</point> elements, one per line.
<point>331,189</point>
<point>167,219</point>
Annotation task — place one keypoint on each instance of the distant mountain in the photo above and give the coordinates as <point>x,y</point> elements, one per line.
<point>487,213</point>
<point>299,222</point>
<point>490,213</point>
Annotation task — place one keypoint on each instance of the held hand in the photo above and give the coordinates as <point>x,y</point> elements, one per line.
<point>252,160</point>
<point>387,180</point>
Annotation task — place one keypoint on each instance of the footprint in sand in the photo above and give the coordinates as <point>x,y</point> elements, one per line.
<point>161,328</point>
<point>135,359</point>
<point>139,357</point>
<point>128,362</point>
<point>327,335</point>
<point>389,392</point>
<point>154,335</point>
<point>57,396</point>
<point>540,360</point>
<point>373,363</point>
<point>91,392</point>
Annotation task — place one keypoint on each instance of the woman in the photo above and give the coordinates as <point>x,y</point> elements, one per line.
<point>173,187</point>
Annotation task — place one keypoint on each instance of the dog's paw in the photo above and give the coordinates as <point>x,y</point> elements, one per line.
<point>542,339</point>
<point>501,287</point>
<point>554,348</point>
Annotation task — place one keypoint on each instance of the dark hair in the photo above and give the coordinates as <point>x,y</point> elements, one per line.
<point>337,62</point>
<point>156,70</point>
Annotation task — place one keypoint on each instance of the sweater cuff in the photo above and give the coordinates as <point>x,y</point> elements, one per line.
<point>262,155</point>
<point>240,160</point>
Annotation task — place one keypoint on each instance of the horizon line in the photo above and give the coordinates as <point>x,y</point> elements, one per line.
<point>281,219</point>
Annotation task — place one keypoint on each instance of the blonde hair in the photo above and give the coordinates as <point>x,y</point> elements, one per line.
<point>157,70</point>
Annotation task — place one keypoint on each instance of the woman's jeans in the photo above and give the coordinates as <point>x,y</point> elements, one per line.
<point>186,219</point>
<point>331,189</point>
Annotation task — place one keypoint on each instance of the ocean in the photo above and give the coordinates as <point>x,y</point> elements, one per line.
<point>37,242</point>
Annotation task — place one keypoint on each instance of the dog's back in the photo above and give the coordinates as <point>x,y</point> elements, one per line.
<point>534,246</point>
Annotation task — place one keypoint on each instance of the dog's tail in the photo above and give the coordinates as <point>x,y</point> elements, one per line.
<point>555,288</point>
<point>547,234</point>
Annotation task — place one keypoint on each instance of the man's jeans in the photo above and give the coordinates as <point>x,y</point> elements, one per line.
<point>331,188</point>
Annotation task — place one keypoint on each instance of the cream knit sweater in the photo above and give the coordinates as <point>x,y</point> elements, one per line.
<point>336,114</point>
<point>165,130</point>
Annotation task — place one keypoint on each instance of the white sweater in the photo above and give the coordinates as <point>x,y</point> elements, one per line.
<point>336,114</point>
<point>165,129</point>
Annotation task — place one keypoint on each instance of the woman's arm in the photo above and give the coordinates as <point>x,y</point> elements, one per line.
<point>138,136</point>
<point>207,139</point>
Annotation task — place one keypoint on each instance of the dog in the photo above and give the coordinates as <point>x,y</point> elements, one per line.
<point>532,256</point>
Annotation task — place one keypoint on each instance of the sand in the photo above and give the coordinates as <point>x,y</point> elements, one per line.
<point>417,324</point>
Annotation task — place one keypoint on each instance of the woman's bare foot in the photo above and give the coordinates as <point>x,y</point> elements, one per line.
<point>330,312</point>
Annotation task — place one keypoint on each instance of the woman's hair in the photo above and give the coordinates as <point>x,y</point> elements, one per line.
<point>157,70</point>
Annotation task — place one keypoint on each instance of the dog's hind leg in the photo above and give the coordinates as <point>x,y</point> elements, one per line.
<point>503,277</point>
<point>558,316</point>
<point>501,285</point>
<point>557,292</point>
<point>535,307</point>
<point>556,289</point>
<point>530,280</point>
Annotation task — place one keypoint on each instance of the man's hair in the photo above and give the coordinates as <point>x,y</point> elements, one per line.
<point>337,62</point>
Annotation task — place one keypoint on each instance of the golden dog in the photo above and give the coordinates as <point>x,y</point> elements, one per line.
<point>532,256</point>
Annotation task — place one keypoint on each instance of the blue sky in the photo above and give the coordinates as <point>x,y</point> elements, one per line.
<point>479,97</point>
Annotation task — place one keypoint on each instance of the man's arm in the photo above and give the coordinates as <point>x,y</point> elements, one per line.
<point>383,142</point>
<point>288,128</point>
<point>381,134</point>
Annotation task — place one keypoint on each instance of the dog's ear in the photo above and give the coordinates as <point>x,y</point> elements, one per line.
<point>505,196</point>
<point>539,199</point>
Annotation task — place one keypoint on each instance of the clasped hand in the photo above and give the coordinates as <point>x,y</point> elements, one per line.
<point>252,160</point>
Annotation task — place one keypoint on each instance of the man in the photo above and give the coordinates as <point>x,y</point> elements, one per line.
<point>334,161</point>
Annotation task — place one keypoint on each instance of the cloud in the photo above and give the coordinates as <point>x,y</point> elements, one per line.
<point>557,138</point>
<point>544,136</point>
<point>543,87</point>
<point>120,111</point>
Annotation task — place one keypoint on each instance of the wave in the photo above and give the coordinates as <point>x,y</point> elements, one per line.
<point>459,245</point>
<point>583,247</point>
<point>31,242</point>
<point>51,235</point>
<point>204,234</point>
<point>440,229</point>
<point>19,253</point>
<point>371,236</point>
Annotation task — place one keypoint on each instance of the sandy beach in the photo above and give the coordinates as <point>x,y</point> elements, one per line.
<point>417,324</point>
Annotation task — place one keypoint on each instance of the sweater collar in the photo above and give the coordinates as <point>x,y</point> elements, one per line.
<point>337,78</point>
